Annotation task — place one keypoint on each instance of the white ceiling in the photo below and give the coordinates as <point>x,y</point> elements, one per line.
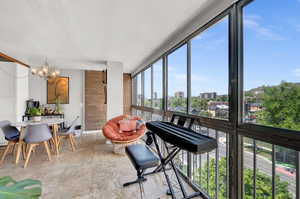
<point>87,33</point>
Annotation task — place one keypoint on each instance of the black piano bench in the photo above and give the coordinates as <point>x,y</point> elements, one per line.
<point>142,158</point>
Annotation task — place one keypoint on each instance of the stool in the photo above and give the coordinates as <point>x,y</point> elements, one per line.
<point>142,158</point>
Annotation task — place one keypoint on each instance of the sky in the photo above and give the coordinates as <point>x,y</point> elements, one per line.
<point>271,52</point>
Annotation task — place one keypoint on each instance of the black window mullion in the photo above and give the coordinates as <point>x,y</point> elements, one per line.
<point>273,171</point>
<point>217,167</point>
<point>254,169</point>
<point>235,77</point>
<point>208,165</point>
<point>227,166</point>
<point>151,68</point>
<point>297,175</point>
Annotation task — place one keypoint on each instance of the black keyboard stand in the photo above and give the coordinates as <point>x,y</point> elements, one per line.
<point>163,130</point>
<point>182,120</point>
<point>169,160</point>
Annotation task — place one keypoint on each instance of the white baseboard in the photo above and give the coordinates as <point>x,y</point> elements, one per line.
<point>94,131</point>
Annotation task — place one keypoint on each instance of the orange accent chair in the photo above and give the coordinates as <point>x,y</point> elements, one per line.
<point>111,131</point>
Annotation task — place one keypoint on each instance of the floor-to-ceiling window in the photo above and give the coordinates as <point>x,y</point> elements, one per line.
<point>139,94</point>
<point>272,63</point>
<point>209,71</point>
<point>247,69</point>
<point>147,87</point>
<point>177,80</point>
<point>271,45</point>
<point>157,68</point>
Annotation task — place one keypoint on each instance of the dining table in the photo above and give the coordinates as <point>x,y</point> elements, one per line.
<point>51,122</point>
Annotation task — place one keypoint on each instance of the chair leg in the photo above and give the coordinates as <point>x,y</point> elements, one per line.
<point>71,142</point>
<point>59,141</point>
<point>5,152</point>
<point>24,151</point>
<point>47,149</point>
<point>52,144</point>
<point>13,149</point>
<point>31,146</point>
<point>74,141</point>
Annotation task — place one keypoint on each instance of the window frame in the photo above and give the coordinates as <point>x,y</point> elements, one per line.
<point>211,25</point>
<point>162,83</point>
<point>234,126</point>
<point>187,74</point>
<point>235,122</point>
<point>151,86</point>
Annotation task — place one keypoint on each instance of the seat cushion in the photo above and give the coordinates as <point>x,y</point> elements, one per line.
<point>127,125</point>
<point>111,131</point>
<point>16,138</point>
<point>63,131</point>
<point>10,132</point>
<point>141,156</point>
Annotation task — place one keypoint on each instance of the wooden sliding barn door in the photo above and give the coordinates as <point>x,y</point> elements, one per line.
<point>95,100</point>
<point>127,94</point>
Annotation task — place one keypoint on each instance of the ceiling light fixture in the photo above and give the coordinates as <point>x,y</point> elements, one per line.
<point>45,71</point>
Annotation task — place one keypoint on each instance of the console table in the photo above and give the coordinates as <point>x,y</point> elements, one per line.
<point>47,116</point>
<point>62,116</point>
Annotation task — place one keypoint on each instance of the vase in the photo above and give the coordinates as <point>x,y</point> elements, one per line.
<point>36,118</point>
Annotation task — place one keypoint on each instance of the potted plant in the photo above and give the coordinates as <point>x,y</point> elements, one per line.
<point>24,189</point>
<point>36,114</point>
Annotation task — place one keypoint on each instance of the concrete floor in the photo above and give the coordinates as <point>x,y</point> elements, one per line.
<point>92,171</point>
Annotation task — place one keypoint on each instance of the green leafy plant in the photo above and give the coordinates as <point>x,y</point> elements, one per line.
<point>263,182</point>
<point>24,189</point>
<point>281,106</point>
<point>35,112</point>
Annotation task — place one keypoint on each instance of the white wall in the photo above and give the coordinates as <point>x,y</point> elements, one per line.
<point>22,90</point>
<point>7,91</point>
<point>13,92</point>
<point>75,106</point>
<point>38,91</point>
<point>17,86</point>
<point>114,89</point>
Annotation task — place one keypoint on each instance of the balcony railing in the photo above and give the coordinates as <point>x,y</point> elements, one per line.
<point>267,170</point>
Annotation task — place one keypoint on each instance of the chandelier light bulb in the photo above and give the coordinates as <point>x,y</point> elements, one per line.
<point>33,71</point>
<point>41,73</point>
<point>45,69</point>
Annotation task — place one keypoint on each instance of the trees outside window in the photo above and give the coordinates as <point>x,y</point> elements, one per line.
<point>271,64</point>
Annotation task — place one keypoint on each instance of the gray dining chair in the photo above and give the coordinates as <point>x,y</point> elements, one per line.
<point>36,135</point>
<point>69,134</point>
<point>12,135</point>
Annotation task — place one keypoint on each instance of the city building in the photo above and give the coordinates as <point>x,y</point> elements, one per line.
<point>179,94</point>
<point>208,95</point>
<point>213,105</point>
<point>155,95</point>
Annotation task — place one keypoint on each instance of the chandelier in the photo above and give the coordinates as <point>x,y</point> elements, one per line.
<point>45,71</point>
